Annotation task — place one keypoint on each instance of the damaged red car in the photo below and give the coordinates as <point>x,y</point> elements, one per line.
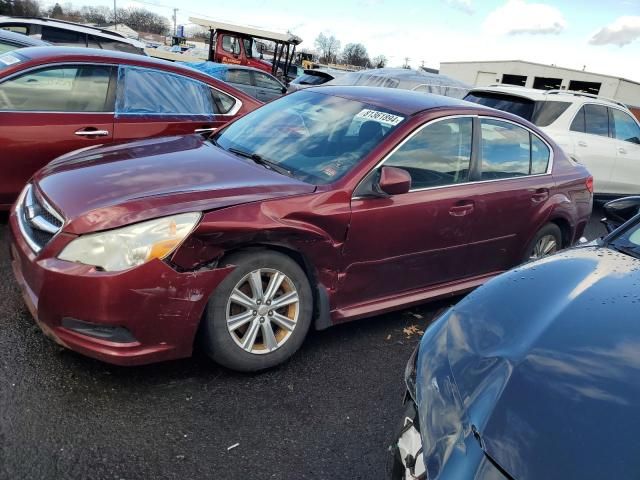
<point>327,205</point>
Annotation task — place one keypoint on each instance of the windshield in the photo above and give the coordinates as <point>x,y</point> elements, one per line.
<point>316,138</point>
<point>629,241</point>
<point>540,113</point>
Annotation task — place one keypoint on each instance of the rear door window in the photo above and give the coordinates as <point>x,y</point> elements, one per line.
<point>540,156</point>
<point>506,150</point>
<point>264,81</point>
<point>624,128</point>
<point>238,75</point>
<point>144,91</point>
<point>596,120</point>
<point>438,155</point>
<point>578,123</point>
<point>58,89</point>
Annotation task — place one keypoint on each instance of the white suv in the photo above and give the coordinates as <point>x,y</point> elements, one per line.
<point>599,133</point>
<point>60,32</point>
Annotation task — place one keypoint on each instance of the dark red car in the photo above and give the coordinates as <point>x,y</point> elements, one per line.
<point>55,100</point>
<point>327,205</point>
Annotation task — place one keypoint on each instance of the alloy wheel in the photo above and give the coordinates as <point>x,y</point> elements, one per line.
<point>546,245</point>
<point>262,311</point>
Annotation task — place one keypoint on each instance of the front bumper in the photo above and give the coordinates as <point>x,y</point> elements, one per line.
<point>158,308</point>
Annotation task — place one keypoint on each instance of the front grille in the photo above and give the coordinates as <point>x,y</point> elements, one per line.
<point>39,222</point>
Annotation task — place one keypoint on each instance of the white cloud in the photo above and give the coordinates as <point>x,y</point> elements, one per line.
<point>465,6</point>
<point>621,32</point>
<point>518,16</point>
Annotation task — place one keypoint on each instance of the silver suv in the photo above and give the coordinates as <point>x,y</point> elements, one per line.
<point>599,133</point>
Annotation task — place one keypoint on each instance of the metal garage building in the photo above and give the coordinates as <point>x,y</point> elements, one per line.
<point>546,77</point>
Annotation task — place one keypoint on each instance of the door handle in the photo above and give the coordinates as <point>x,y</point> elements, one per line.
<point>582,143</point>
<point>621,150</point>
<point>460,210</point>
<point>540,195</point>
<point>205,130</point>
<point>91,132</point>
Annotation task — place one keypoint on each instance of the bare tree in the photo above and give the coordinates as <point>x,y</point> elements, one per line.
<point>20,8</point>
<point>379,61</point>
<point>355,54</point>
<point>329,46</point>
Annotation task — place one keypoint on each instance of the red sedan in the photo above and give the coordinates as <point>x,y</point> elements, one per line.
<point>55,100</point>
<point>326,205</point>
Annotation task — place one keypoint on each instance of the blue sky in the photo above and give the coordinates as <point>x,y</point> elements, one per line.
<point>602,35</point>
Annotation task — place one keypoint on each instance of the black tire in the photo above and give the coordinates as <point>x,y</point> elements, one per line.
<point>217,339</point>
<point>550,229</point>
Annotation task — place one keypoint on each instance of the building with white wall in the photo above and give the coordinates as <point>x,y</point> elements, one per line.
<point>547,77</point>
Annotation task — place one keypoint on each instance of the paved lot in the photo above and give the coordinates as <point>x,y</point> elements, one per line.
<point>329,413</point>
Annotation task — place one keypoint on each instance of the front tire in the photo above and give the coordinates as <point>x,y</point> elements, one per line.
<point>260,313</point>
<point>547,241</point>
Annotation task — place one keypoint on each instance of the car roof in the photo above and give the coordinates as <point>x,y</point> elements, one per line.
<point>20,39</point>
<point>547,96</point>
<point>402,101</point>
<point>76,27</point>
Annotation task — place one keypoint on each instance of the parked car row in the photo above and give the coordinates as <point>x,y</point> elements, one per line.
<point>264,229</point>
<point>201,215</point>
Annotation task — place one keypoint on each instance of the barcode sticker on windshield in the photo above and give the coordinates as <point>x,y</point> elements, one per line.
<point>9,59</point>
<point>382,117</point>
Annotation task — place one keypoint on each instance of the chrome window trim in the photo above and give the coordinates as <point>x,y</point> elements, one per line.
<point>474,182</point>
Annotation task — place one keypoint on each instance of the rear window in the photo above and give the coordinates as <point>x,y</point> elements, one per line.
<point>523,107</point>
<point>540,113</point>
<point>307,79</point>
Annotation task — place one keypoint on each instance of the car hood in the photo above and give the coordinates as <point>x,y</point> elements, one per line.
<point>106,187</point>
<point>547,362</point>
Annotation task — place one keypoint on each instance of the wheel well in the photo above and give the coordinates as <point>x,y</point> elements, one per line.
<point>320,298</point>
<point>565,229</point>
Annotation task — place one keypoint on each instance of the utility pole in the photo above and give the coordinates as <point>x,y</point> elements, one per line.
<point>115,16</point>
<point>175,30</point>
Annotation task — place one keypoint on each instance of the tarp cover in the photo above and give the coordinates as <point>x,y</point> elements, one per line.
<point>406,79</point>
<point>144,91</point>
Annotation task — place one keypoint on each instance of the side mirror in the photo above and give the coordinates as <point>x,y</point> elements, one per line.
<point>284,90</point>
<point>620,211</point>
<point>394,181</point>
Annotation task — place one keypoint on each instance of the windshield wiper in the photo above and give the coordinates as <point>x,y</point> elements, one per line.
<point>261,161</point>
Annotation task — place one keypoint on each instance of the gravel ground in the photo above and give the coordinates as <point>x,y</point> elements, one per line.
<point>329,413</point>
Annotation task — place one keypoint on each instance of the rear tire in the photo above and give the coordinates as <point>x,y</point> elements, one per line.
<point>547,241</point>
<point>260,313</point>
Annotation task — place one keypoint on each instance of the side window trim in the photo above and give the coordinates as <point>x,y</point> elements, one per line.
<point>474,169</point>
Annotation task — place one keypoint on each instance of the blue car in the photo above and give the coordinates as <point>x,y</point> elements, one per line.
<point>12,41</point>
<point>535,375</point>
<point>250,80</point>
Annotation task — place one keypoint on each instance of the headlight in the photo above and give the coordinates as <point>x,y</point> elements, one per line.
<point>131,246</point>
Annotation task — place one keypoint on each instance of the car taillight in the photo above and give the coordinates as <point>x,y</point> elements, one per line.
<point>589,184</point>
